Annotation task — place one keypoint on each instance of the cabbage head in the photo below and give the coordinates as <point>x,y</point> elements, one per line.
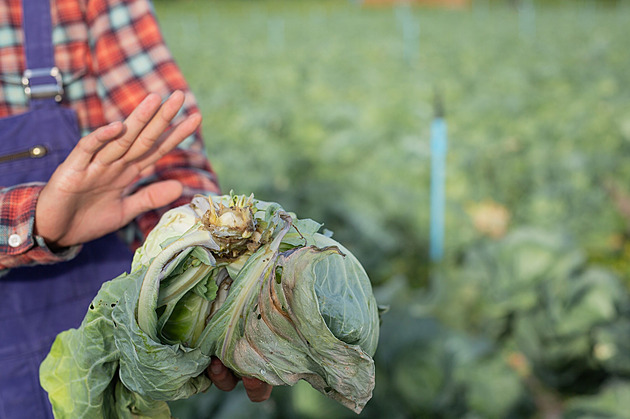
<point>226,276</point>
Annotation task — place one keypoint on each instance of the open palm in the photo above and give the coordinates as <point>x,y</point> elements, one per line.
<point>87,196</point>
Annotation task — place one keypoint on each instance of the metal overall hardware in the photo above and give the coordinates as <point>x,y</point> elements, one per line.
<point>43,91</point>
<point>34,152</point>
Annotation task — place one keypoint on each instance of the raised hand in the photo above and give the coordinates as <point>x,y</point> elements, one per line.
<point>87,196</point>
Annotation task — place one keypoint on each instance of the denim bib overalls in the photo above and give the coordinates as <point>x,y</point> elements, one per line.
<point>36,303</point>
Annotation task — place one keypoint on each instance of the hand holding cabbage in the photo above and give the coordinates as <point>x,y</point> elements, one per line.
<point>225,276</point>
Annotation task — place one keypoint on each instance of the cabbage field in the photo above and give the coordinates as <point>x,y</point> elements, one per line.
<point>326,107</point>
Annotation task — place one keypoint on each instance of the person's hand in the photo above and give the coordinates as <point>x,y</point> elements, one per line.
<point>224,379</point>
<point>87,196</point>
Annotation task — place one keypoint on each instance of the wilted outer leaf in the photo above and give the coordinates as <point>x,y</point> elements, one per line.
<point>81,370</point>
<point>266,329</point>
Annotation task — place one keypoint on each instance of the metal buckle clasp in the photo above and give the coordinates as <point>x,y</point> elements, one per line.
<point>46,90</point>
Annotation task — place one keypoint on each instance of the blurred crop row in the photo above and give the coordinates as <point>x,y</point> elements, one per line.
<point>326,108</point>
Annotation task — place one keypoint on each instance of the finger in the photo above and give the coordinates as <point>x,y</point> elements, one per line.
<point>221,376</point>
<point>87,146</point>
<point>154,129</point>
<point>147,171</point>
<point>134,124</point>
<point>151,197</point>
<point>178,134</point>
<point>257,391</point>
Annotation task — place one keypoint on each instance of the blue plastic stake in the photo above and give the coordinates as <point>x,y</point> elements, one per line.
<point>410,32</point>
<point>275,31</point>
<point>438,176</point>
<point>527,19</point>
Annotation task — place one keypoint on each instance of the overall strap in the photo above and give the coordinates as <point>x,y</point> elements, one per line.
<point>41,79</point>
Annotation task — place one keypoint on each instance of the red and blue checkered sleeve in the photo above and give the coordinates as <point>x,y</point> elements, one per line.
<point>19,246</point>
<point>131,60</point>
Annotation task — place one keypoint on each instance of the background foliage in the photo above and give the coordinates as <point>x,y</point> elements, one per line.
<point>326,107</point>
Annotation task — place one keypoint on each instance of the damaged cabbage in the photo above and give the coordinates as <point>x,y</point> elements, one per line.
<point>231,277</point>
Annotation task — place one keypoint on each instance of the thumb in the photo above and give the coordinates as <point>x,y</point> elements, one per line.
<point>151,197</point>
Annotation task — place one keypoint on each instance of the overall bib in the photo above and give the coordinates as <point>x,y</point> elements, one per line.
<point>37,303</point>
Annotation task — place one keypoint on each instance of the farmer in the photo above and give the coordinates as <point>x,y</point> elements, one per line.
<point>71,208</point>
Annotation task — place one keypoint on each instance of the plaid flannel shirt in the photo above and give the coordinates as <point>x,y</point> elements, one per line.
<point>111,55</point>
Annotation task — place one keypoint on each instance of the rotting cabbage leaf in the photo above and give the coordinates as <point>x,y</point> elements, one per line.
<point>224,276</point>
